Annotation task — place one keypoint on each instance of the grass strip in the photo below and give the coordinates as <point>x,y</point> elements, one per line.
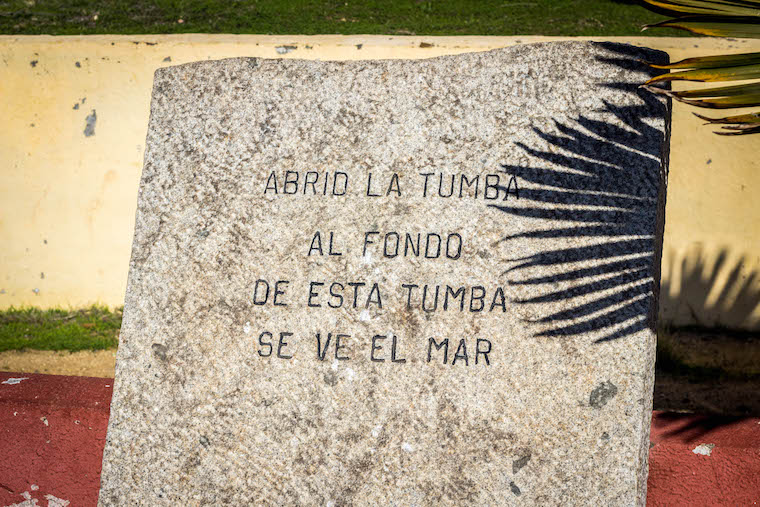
<point>394,17</point>
<point>94,328</point>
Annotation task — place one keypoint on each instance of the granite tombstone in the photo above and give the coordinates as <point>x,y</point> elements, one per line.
<point>393,282</point>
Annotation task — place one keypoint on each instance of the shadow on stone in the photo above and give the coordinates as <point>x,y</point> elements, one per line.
<point>603,198</point>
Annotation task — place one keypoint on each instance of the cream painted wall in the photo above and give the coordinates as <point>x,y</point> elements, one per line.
<point>67,200</point>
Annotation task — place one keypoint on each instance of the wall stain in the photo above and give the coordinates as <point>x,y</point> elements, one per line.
<point>282,50</point>
<point>89,129</point>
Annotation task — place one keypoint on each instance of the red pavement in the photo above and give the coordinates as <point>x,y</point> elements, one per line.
<point>53,428</point>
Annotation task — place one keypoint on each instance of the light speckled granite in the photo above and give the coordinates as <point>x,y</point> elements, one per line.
<point>542,394</point>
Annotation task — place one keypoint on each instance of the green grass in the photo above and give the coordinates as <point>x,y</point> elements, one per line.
<point>407,17</point>
<point>94,328</point>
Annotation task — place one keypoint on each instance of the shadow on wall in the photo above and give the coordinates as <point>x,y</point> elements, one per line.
<point>711,289</point>
<point>601,191</point>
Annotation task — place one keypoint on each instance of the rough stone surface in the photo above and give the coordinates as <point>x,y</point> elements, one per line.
<point>555,408</point>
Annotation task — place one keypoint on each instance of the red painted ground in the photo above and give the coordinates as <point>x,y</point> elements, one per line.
<point>52,433</point>
<point>730,475</point>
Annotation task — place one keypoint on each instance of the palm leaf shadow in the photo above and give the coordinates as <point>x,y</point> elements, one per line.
<point>601,188</point>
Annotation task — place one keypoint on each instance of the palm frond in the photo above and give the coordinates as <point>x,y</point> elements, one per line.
<point>709,7</point>
<point>717,18</point>
<point>744,28</point>
<point>712,62</point>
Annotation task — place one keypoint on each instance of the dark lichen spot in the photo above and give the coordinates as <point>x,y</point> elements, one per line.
<point>168,59</point>
<point>602,393</point>
<point>160,351</point>
<point>89,128</point>
<point>709,161</point>
<point>426,44</point>
<point>331,379</point>
<point>515,489</point>
<point>204,441</point>
<point>359,46</point>
<point>520,462</point>
<point>44,241</point>
<point>79,65</point>
<point>33,63</point>
<point>76,106</point>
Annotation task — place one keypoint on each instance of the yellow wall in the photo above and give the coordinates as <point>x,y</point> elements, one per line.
<point>67,200</point>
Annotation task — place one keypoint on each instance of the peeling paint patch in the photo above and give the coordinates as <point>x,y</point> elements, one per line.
<point>89,128</point>
<point>704,449</point>
<point>56,502</point>
<point>282,50</point>
<point>44,421</point>
<point>14,381</point>
<point>28,502</point>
